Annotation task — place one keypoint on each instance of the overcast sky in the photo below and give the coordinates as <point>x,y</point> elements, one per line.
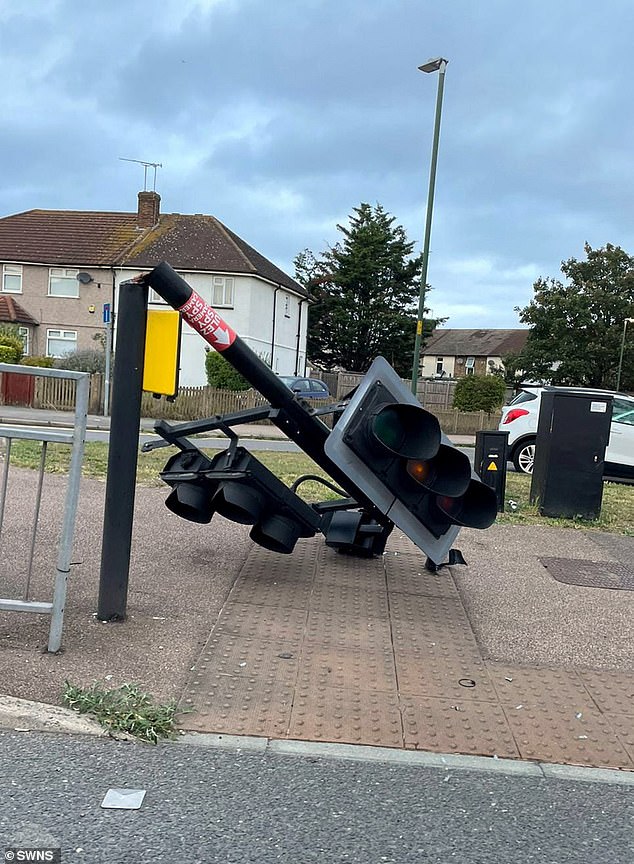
<point>280,116</point>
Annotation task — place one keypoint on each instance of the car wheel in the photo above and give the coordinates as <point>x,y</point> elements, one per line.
<point>524,457</point>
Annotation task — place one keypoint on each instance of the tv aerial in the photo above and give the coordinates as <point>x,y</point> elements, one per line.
<point>146,165</point>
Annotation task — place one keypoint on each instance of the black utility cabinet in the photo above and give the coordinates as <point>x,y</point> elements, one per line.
<point>572,433</point>
<point>491,454</point>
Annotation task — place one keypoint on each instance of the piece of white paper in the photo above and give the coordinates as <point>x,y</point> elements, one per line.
<point>123,799</point>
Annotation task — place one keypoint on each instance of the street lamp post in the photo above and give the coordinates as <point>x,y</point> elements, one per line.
<point>618,374</point>
<point>438,64</point>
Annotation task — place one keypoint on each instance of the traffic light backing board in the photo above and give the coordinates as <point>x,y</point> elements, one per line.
<point>336,448</point>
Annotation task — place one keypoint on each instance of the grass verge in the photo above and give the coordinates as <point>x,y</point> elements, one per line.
<point>617,514</point>
<point>124,709</point>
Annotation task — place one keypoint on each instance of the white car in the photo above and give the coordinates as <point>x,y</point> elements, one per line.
<point>519,419</point>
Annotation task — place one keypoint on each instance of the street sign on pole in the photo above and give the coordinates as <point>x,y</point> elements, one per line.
<point>106,313</point>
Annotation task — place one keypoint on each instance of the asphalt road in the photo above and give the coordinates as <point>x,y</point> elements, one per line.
<point>208,805</point>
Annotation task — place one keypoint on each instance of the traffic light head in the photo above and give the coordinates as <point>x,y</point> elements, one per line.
<point>394,451</point>
<point>237,486</point>
<point>189,498</point>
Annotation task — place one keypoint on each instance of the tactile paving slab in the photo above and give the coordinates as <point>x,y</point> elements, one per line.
<point>623,725</point>
<point>535,684</point>
<point>331,566</point>
<point>456,726</point>
<point>267,579</point>
<point>422,621</point>
<point>239,706</point>
<point>361,633</point>
<point>236,656</point>
<point>327,666</point>
<point>611,690</point>
<point>283,625</point>
<point>273,589</point>
<point>560,732</point>
<point>441,672</point>
<point>590,574</point>
<point>354,601</point>
<point>406,574</point>
<point>345,715</point>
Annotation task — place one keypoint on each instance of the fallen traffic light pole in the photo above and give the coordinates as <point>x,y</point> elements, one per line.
<point>385,451</point>
<point>300,423</point>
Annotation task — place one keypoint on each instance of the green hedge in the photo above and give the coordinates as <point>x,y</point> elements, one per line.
<point>42,362</point>
<point>479,393</point>
<point>222,375</point>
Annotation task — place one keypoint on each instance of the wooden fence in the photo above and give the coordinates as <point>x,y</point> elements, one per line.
<point>437,393</point>
<point>194,403</point>
<point>453,422</point>
<point>56,394</point>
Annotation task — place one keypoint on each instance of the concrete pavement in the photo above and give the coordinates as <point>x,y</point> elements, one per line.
<point>498,658</point>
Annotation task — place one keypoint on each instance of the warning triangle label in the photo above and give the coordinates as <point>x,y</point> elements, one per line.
<point>492,467</point>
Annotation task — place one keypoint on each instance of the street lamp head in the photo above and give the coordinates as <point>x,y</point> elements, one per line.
<point>437,63</point>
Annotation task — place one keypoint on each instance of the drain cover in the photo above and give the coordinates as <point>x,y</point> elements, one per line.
<point>590,574</point>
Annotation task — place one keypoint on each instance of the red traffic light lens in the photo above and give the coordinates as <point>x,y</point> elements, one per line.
<point>477,508</point>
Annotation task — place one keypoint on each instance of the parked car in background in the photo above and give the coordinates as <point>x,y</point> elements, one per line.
<point>519,419</point>
<point>309,388</point>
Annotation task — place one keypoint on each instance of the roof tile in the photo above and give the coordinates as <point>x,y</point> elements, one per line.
<point>475,343</point>
<point>101,239</point>
<point>12,313</point>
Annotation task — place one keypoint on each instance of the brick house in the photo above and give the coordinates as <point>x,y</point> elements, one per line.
<point>60,267</point>
<point>456,353</point>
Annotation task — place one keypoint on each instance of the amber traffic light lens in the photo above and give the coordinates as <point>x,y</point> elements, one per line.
<point>420,471</point>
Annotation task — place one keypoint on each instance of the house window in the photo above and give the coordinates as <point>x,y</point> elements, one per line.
<point>470,365</point>
<point>62,282</point>
<point>222,291</point>
<point>153,297</point>
<point>439,369</point>
<point>60,342</point>
<point>12,278</point>
<point>23,333</point>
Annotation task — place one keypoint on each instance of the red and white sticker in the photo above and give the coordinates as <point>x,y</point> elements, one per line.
<point>206,321</point>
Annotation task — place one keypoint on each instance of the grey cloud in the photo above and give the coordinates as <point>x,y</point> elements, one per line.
<point>280,117</point>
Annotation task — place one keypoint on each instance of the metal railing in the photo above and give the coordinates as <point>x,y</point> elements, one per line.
<point>76,438</point>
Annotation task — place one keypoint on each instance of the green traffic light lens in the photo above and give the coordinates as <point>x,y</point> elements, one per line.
<point>407,430</point>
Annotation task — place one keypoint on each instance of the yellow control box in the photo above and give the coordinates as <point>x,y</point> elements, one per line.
<point>162,352</point>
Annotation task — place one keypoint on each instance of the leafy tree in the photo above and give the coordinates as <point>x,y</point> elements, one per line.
<point>577,326</point>
<point>479,393</point>
<point>11,344</point>
<point>222,375</point>
<point>8,354</point>
<point>366,289</point>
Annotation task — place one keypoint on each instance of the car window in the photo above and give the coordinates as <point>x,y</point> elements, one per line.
<point>318,387</point>
<point>623,412</point>
<point>523,396</point>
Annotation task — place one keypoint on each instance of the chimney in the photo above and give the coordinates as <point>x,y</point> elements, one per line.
<point>149,209</point>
